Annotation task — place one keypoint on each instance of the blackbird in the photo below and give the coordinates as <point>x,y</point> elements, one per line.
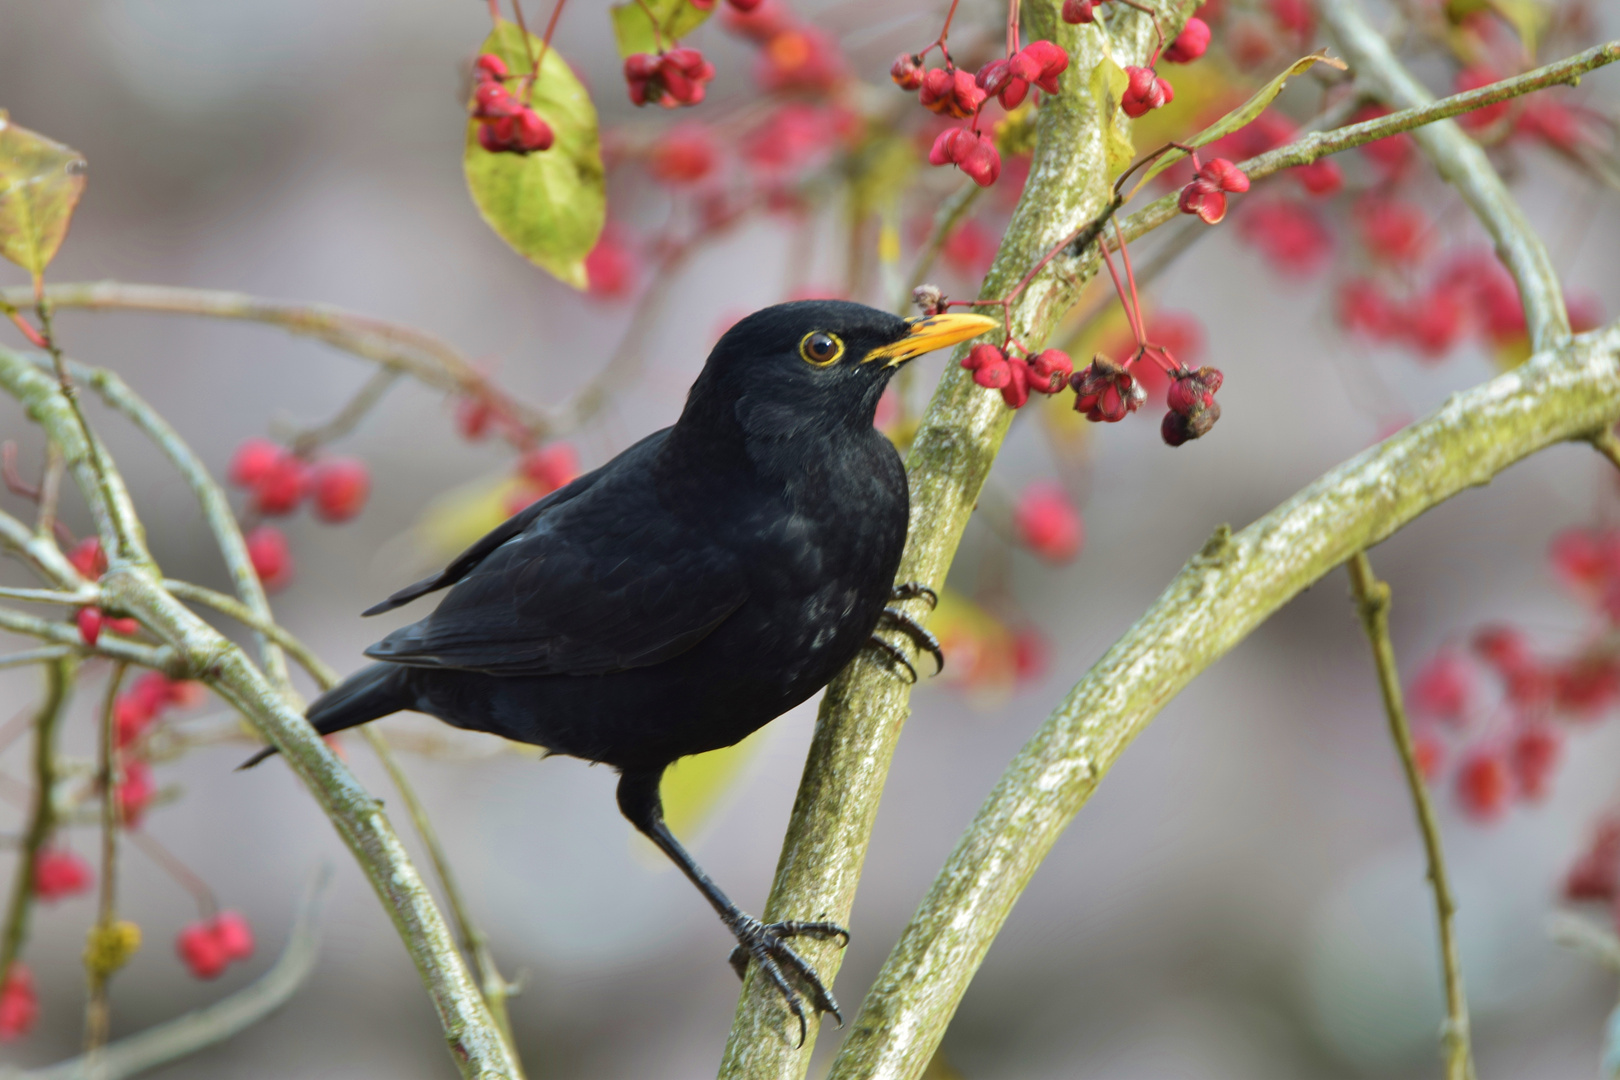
<point>706,580</point>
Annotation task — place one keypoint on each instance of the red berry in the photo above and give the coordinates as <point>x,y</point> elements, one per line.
<point>1032,654</point>
<point>282,487</point>
<point>971,151</point>
<point>473,416</point>
<point>1534,755</point>
<point>1106,392</point>
<point>490,66</point>
<point>1319,177</point>
<point>550,467</point>
<point>19,1005</point>
<point>684,154</point>
<point>1144,92</point>
<point>201,950</point>
<point>1289,234</point>
<point>745,6</point>
<point>234,935</point>
<point>1079,11</point>
<point>1443,688</point>
<point>950,92</point>
<point>1594,874</point>
<point>1393,230</point>
<point>88,558</point>
<point>1050,370</point>
<point>1294,16</point>
<point>1366,309</point>
<point>1190,44</point>
<point>800,59</point>
<point>134,793</point>
<point>338,488</point>
<point>970,248</point>
<point>89,620</point>
<point>1393,152</point>
<point>271,556</point>
<point>131,717</point>
<point>59,872</point>
<point>610,268</point>
<point>1587,686</point>
<point>252,461</point>
<point>1485,783</point>
<point>1048,523</point>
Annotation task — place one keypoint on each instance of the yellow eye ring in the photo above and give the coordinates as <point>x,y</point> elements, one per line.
<point>819,348</point>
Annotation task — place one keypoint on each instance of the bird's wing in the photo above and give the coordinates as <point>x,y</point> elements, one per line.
<point>463,564</point>
<point>603,583</point>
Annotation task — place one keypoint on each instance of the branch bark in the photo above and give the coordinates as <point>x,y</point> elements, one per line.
<point>1220,596</point>
<point>866,705</point>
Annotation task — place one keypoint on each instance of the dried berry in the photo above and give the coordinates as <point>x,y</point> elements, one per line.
<point>1105,392</point>
<point>907,71</point>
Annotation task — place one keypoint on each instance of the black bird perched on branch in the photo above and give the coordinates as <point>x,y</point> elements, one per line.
<point>708,579</point>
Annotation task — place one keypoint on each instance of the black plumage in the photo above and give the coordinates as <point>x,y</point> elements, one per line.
<point>706,580</point>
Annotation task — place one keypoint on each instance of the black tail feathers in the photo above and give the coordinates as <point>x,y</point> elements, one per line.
<point>368,694</point>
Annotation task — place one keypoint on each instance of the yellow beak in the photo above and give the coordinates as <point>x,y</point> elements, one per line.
<point>930,332</point>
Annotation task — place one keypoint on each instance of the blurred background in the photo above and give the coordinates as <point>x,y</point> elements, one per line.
<point>1244,897</point>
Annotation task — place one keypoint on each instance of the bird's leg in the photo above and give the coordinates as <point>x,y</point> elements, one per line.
<point>764,943</point>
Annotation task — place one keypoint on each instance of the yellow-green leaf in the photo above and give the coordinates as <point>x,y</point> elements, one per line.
<point>549,205</point>
<point>1244,114</point>
<point>676,18</point>
<point>40,184</point>
<point>1108,85</point>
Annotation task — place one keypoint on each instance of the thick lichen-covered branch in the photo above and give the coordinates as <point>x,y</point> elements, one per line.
<point>864,708</point>
<point>1372,604</point>
<point>1233,585</point>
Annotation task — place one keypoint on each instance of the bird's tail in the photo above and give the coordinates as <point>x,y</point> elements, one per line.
<point>367,695</point>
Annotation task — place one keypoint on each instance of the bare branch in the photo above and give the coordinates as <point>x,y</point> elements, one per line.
<point>1372,604</point>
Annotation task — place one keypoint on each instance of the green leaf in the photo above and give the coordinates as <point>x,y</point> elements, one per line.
<point>634,30</point>
<point>549,205</point>
<point>1108,85</point>
<point>1244,114</point>
<point>40,184</point>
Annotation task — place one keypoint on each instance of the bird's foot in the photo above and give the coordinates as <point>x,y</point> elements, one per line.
<point>911,590</point>
<point>920,637</point>
<point>766,944</point>
<point>893,655</point>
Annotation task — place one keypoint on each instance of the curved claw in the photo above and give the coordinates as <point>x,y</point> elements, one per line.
<point>766,944</point>
<point>893,655</point>
<point>912,590</point>
<point>919,636</point>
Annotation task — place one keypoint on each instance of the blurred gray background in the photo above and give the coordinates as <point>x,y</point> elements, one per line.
<point>1243,898</point>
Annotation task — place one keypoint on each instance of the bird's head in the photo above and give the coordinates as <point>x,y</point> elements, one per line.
<point>814,365</point>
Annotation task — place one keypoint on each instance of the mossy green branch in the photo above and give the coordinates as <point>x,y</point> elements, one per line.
<point>1233,585</point>
<point>42,813</point>
<point>960,434</point>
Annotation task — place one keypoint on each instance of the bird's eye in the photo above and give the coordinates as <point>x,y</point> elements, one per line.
<point>821,348</point>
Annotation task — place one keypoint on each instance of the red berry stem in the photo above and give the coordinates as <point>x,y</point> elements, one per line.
<point>1012,34</point>
<point>1157,28</point>
<point>545,44</point>
<point>528,49</point>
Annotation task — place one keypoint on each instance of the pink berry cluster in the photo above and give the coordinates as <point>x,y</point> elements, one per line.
<point>671,78</point>
<point>507,125</point>
<point>207,947</point>
<point>1044,372</point>
<point>1046,521</point>
<point>951,92</point>
<point>1509,744</point>
<point>1144,92</point>
<point>278,482</point>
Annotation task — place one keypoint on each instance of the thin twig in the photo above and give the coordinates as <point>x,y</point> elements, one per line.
<point>97,1013</point>
<point>41,814</point>
<point>41,655</point>
<point>1372,604</point>
<point>1582,935</point>
<point>307,440</point>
